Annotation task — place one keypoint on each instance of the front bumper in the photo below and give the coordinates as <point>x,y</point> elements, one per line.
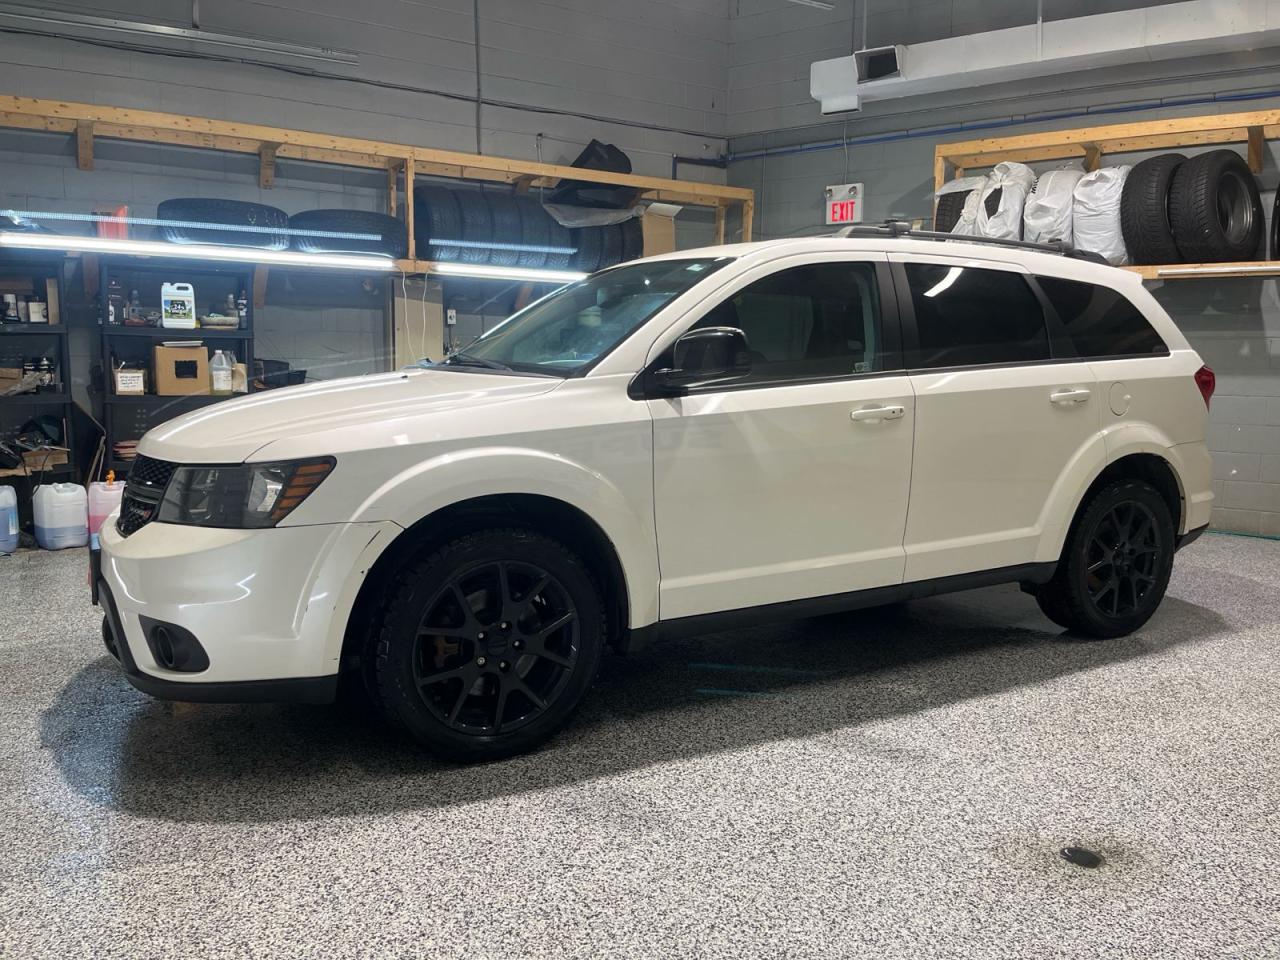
<point>269,607</point>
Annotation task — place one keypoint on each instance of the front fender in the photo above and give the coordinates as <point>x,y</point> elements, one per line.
<point>619,503</point>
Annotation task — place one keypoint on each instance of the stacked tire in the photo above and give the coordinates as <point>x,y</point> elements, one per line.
<point>1205,209</point>
<point>508,230</point>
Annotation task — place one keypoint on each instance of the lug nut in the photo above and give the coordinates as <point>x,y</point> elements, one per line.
<point>518,644</point>
<point>479,636</point>
<point>503,665</point>
<point>480,661</point>
<point>503,626</point>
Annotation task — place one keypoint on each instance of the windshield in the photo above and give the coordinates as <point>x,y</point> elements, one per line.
<point>570,328</point>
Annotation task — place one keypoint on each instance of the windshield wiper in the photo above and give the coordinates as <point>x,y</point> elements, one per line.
<point>461,359</point>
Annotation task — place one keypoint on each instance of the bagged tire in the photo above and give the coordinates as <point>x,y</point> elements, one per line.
<point>1144,210</point>
<point>1047,214</point>
<point>436,216</point>
<point>506,228</point>
<point>1095,214</point>
<point>477,226</point>
<point>590,244</point>
<point>535,231</point>
<point>258,223</point>
<point>392,236</point>
<point>632,239</point>
<point>947,214</point>
<point>1215,210</point>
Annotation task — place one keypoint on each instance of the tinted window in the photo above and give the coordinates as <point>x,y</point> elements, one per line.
<point>1099,321</point>
<point>819,320</point>
<point>967,316</point>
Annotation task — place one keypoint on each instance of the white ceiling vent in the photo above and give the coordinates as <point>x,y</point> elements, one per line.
<point>1192,28</point>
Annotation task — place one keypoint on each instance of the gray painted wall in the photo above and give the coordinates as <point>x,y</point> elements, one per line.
<point>1234,324</point>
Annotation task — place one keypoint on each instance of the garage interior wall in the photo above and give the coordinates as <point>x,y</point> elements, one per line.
<point>780,146</point>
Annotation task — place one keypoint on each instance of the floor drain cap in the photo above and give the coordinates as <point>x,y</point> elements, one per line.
<point>1081,857</point>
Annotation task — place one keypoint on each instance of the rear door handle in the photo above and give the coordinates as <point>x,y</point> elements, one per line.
<point>876,414</point>
<point>1069,396</point>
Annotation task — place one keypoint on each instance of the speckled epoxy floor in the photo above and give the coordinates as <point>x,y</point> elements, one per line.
<point>889,783</point>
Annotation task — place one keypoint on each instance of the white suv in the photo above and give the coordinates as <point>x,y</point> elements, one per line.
<point>682,443</point>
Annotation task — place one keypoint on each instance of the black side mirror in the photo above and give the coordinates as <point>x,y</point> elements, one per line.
<point>705,356</point>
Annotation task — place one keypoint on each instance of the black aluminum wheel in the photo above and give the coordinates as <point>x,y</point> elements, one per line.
<point>1121,559</point>
<point>495,647</point>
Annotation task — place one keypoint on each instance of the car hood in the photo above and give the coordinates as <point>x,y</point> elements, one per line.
<point>233,430</point>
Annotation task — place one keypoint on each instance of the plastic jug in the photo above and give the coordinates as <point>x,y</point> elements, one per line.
<point>8,520</point>
<point>222,369</point>
<point>61,515</point>
<point>103,498</point>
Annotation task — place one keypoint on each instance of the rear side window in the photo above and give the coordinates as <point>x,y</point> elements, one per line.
<point>968,316</point>
<point>1099,321</point>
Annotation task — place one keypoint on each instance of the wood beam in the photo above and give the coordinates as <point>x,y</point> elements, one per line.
<point>267,165</point>
<point>1092,156</point>
<point>393,186</point>
<point>720,219</point>
<point>84,144</point>
<point>1256,149</point>
<point>748,218</point>
<point>409,166</point>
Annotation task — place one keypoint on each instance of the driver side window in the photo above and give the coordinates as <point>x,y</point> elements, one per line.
<point>820,320</point>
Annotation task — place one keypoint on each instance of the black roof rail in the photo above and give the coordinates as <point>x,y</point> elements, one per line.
<point>900,228</point>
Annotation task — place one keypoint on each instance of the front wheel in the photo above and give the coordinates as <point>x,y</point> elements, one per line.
<point>488,645</point>
<point>1116,564</point>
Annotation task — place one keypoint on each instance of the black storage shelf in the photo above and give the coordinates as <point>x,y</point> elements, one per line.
<point>129,417</point>
<point>40,274</point>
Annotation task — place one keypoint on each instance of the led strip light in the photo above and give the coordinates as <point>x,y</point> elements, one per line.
<point>506,273</point>
<point>194,251</point>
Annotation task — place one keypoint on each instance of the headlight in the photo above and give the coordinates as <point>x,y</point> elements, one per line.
<point>243,496</point>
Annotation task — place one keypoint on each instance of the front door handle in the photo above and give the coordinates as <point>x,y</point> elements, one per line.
<point>876,414</point>
<point>1069,396</point>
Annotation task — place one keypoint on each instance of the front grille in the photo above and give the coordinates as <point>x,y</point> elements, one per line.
<point>143,492</point>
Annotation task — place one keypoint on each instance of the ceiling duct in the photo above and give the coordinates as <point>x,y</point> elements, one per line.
<point>1169,31</point>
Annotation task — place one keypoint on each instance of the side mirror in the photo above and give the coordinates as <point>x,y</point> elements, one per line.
<point>700,357</point>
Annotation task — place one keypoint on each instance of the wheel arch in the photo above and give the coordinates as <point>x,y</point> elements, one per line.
<point>548,515</point>
<point>1153,467</point>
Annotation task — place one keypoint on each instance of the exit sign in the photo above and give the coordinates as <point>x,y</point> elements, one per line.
<point>844,203</point>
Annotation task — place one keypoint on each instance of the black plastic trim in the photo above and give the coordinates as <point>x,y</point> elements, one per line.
<point>1190,537</point>
<point>289,690</point>
<point>641,637</point>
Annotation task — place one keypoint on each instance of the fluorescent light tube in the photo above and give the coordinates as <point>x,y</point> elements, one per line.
<point>506,273</point>
<point>193,251</point>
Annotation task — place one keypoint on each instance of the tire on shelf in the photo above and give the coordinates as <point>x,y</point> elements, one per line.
<point>1274,248</point>
<point>558,235</point>
<point>208,220</point>
<point>535,231</point>
<point>392,238</point>
<point>477,226</point>
<point>1215,210</point>
<point>947,214</point>
<point>1144,210</point>
<point>632,239</point>
<point>436,217</point>
<point>611,245</point>
<point>589,241</point>
<point>506,228</point>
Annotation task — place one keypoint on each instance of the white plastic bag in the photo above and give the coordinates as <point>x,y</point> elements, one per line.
<point>1047,215</point>
<point>967,225</point>
<point>969,212</point>
<point>1014,181</point>
<point>1095,214</point>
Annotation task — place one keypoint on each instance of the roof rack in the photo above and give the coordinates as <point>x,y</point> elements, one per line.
<point>900,228</point>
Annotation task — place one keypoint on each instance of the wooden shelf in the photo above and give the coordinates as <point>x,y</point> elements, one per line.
<point>1193,271</point>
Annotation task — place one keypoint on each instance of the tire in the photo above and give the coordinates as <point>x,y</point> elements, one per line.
<point>947,214</point>
<point>1215,209</point>
<point>392,237</point>
<point>534,232</point>
<point>436,216</point>
<point>610,245</point>
<point>1274,248</point>
<point>590,244</point>
<point>506,228</point>
<point>632,239</point>
<point>477,226</point>
<point>258,223</point>
<point>1144,210</point>
<point>558,235</point>
<point>447,688</point>
<point>1092,593</point>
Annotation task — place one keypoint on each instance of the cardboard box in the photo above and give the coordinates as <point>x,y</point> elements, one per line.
<point>182,369</point>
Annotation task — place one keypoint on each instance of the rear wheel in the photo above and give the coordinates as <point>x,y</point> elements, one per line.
<point>489,644</point>
<point>1116,564</point>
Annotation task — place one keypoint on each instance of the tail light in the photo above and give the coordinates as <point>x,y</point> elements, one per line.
<point>1206,381</point>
